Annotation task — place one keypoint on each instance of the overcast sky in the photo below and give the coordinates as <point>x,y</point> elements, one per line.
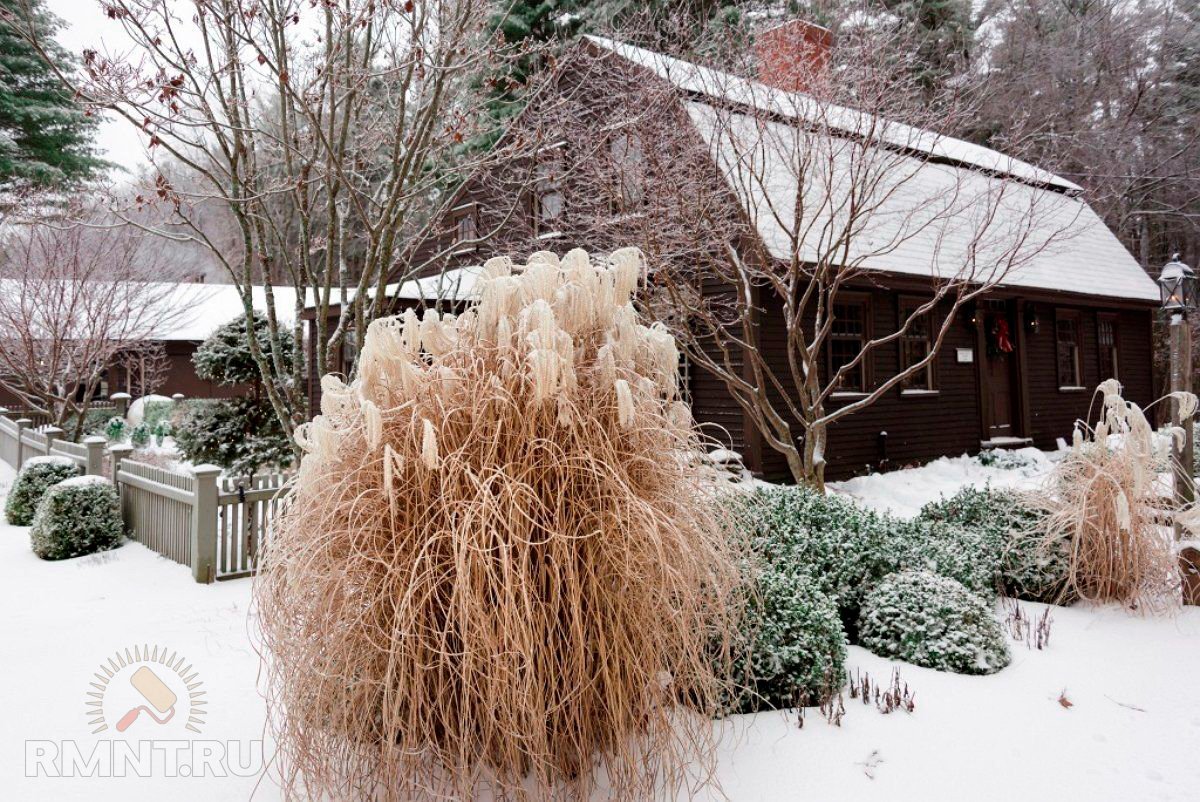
<point>86,26</point>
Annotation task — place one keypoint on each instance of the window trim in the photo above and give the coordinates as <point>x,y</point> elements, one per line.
<point>931,387</point>
<point>620,205</point>
<point>864,300</point>
<point>1069,384</point>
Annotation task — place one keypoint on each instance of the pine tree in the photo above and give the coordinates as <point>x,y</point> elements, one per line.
<point>45,135</point>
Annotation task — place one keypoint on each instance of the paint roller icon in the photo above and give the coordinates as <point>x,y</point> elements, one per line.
<point>154,691</point>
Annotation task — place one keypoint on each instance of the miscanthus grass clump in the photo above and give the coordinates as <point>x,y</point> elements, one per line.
<point>498,571</point>
<point>1104,499</point>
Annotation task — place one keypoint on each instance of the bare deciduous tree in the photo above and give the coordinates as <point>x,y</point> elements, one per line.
<point>762,213</point>
<point>331,133</point>
<point>74,302</point>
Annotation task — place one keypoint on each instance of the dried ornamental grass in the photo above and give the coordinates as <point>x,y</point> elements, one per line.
<point>497,573</point>
<point>1105,499</point>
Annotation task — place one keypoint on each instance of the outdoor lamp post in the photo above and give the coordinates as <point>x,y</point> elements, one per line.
<point>1177,285</point>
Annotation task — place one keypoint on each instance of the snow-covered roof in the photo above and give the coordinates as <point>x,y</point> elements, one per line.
<point>928,213</point>
<point>733,89</point>
<point>455,284</point>
<point>198,309</point>
<point>180,311</point>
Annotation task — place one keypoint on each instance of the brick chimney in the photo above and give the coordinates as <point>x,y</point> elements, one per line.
<point>792,54</point>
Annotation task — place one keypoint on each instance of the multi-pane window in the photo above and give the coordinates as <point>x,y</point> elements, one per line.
<point>629,167</point>
<point>847,338</point>
<point>466,227</point>
<point>548,201</point>
<point>1106,339</point>
<point>915,345</point>
<point>1066,333</point>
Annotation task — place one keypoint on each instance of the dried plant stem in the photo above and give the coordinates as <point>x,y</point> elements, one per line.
<point>497,571</point>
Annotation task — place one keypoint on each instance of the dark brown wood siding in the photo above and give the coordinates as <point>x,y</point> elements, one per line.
<point>922,427</point>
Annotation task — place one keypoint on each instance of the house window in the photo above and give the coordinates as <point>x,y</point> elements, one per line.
<point>1106,338</point>
<point>915,345</point>
<point>466,228</point>
<point>847,338</point>
<point>629,172</point>
<point>548,201</point>
<point>1066,331</point>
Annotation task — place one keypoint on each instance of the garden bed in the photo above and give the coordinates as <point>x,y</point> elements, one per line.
<point>1101,713</point>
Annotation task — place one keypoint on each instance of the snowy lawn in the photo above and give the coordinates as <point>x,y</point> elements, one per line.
<point>904,492</point>
<point>1131,732</point>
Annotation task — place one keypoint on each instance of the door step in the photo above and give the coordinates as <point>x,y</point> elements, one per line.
<point>1006,442</point>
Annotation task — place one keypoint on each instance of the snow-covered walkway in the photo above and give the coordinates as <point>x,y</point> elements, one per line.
<point>1131,732</point>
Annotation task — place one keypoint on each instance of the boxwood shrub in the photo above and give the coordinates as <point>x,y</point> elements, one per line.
<point>795,649</point>
<point>1026,567</point>
<point>76,517</point>
<point>36,476</point>
<point>932,621</point>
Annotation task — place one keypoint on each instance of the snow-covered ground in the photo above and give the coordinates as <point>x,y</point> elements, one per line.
<point>1131,732</point>
<point>904,492</point>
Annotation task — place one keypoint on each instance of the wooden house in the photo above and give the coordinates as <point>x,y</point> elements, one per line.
<point>1017,366</point>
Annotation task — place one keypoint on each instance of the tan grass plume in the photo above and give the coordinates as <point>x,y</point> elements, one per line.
<point>498,573</point>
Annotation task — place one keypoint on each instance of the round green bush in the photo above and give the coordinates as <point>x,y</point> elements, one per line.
<point>932,621</point>
<point>844,547</point>
<point>795,649</point>
<point>1026,566</point>
<point>947,550</point>
<point>36,476</point>
<point>76,517</point>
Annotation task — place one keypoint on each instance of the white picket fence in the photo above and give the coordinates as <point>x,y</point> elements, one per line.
<point>214,525</point>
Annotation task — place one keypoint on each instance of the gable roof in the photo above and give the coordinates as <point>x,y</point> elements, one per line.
<point>922,226</point>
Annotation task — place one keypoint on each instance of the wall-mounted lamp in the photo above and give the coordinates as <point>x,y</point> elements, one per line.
<point>1032,319</point>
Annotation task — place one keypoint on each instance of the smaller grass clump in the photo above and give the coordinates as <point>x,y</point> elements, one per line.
<point>1027,565</point>
<point>932,621</point>
<point>796,650</point>
<point>77,517</point>
<point>37,476</point>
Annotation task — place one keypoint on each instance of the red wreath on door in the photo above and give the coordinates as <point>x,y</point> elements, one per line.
<point>1002,336</point>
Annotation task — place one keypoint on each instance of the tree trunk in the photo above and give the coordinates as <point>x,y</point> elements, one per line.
<point>812,467</point>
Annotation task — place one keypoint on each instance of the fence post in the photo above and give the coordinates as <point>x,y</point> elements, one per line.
<point>204,523</point>
<point>119,452</point>
<point>95,454</point>
<point>52,433</point>
<point>22,425</point>
<point>121,402</point>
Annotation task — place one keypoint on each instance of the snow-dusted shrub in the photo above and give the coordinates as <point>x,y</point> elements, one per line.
<point>498,569</point>
<point>1004,458</point>
<point>945,549</point>
<point>76,517</point>
<point>843,546</point>
<point>932,621</point>
<point>37,475</point>
<point>241,434</point>
<point>1028,566</point>
<point>161,431</point>
<point>796,650</point>
<point>114,430</point>
<point>139,436</point>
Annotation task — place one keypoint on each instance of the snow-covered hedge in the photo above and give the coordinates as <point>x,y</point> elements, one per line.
<point>796,653</point>
<point>37,475</point>
<point>76,517</point>
<point>1025,567</point>
<point>932,621</point>
<point>848,549</point>
<point>841,545</point>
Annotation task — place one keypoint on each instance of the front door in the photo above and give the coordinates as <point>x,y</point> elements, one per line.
<point>1000,367</point>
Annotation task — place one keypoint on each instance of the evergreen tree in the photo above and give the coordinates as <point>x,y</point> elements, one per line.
<point>45,136</point>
